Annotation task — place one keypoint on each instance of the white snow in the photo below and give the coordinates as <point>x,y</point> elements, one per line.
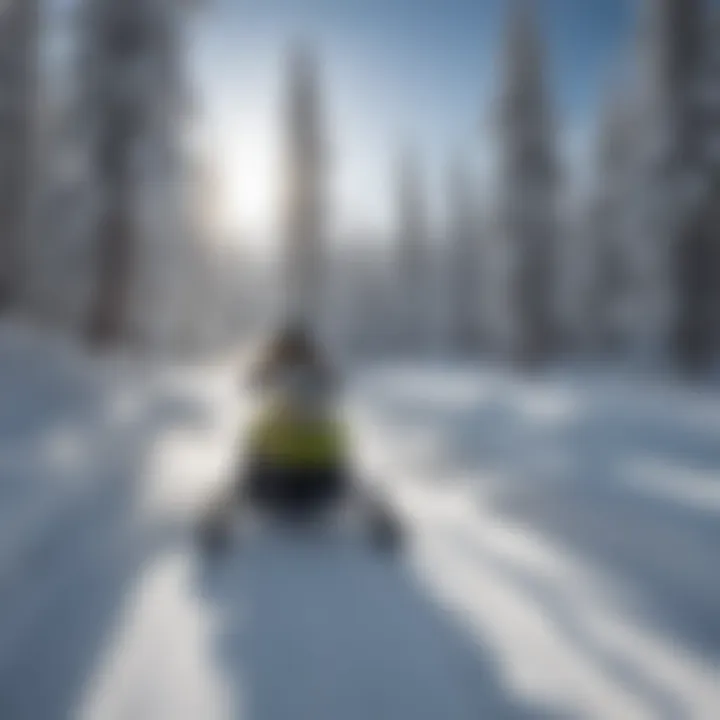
<point>564,534</point>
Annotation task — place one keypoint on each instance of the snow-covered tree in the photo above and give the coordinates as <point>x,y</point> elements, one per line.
<point>304,248</point>
<point>59,265</point>
<point>528,186</point>
<point>132,99</point>
<point>674,246</point>
<point>710,90</point>
<point>609,266</point>
<point>116,41</point>
<point>413,286</point>
<point>361,298</point>
<point>19,34</point>
<point>167,261</point>
<point>699,264</point>
<point>464,260</point>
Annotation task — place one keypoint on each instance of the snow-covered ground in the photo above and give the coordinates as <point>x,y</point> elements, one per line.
<point>564,536</point>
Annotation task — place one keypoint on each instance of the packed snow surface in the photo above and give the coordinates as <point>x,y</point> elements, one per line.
<point>562,559</point>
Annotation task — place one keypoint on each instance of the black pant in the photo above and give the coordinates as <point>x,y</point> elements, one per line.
<point>286,488</point>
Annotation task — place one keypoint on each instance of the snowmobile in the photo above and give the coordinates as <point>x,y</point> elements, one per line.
<point>296,463</point>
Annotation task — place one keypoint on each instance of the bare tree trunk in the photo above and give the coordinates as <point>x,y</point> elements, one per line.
<point>533,283</point>
<point>122,38</point>
<point>108,322</point>
<point>19,21</point>
<point>696,264</point>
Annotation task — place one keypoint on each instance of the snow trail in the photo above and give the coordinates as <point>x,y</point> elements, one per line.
<point>563,542</point>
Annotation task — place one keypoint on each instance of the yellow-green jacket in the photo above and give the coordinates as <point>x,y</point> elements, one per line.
<point>279,437</point>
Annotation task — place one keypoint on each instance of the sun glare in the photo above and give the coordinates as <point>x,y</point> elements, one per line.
<point>249,177</point>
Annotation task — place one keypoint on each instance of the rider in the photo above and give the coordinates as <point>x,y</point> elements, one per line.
<point>297,454</point>
<point>296,450</point>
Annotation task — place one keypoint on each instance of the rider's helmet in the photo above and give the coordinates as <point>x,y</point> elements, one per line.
<point>294,358</point>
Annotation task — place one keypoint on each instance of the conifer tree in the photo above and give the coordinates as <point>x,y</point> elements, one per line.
<point>528,177</point>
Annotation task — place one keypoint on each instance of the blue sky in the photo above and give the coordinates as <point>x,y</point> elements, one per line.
<point>394,72</point>
<point>453,43</point>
